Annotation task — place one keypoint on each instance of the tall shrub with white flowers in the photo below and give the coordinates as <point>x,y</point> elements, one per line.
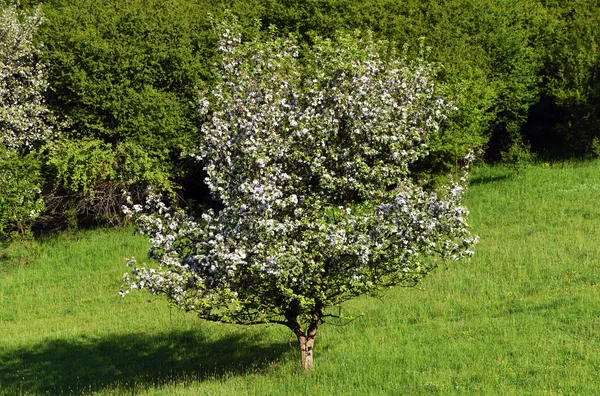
<point>25,120</point>
<point>24,116</point>
<point>309,157</point>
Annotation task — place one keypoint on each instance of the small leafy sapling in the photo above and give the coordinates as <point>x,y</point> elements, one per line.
<point>309,157</point>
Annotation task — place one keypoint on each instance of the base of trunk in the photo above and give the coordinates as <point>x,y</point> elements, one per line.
<point>306,345</point>
<point>306,339</point>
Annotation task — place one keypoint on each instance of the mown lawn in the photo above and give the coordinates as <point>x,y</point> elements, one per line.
<point>522,317</point>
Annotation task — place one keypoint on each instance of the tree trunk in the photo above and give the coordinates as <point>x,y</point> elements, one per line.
<point>306,345</point>
<point>306,339</point>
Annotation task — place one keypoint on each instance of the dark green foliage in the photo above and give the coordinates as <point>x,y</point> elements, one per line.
<point>128,71</point>
<point>524,73</point>
<point>126,77</point>
<point>572,92</point>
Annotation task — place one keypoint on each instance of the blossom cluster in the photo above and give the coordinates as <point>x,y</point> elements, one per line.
<point>25,120</point>
<point>310,158</point>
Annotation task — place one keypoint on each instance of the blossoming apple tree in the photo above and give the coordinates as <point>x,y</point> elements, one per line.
<point>309,157</point>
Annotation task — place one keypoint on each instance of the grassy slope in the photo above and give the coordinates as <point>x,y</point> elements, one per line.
<point>522,317</point>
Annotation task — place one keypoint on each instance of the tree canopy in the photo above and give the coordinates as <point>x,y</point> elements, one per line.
<point>308,155</point>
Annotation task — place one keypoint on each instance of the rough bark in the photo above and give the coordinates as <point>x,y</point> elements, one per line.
<point>306,345</point>
<point>306,340</point>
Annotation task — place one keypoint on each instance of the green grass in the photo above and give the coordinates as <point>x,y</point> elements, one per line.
<point>522,317</point>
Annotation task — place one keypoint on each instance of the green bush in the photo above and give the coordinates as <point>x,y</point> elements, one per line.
<point>573,76</point>
<point>126,75</point>
<point>127,71</point>
<point>20,189</point>
<point>89,177</point>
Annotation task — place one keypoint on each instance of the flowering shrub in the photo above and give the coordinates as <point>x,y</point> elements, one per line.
<point>24,117</point>
<point>24,120</point>
<point>310,159</point>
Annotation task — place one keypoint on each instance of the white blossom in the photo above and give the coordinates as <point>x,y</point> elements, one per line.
<point>310,162</point>
<point>25,119</point>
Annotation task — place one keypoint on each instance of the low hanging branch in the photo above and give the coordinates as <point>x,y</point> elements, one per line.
<point>310,159</point>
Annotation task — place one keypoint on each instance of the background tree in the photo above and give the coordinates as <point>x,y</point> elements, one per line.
<point>125,74</point>
<point>310,160</point>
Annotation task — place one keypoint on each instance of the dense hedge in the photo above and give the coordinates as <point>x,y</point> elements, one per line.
<point>129,70</point>
<point>524,73</point>
<point>568,114</point>
<point>125,74</point>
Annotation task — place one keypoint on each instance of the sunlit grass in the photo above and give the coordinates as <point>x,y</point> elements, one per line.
<point>522,317</point>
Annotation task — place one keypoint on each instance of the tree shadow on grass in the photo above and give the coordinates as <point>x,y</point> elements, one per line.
<point>489,179</point>
<point>130,362</point>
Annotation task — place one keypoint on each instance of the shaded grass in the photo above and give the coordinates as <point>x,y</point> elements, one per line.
<point>130,361</point>
<point>522,317</point>
<point>65,329</point>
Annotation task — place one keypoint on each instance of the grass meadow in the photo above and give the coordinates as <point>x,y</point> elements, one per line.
<point>521,317</point>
